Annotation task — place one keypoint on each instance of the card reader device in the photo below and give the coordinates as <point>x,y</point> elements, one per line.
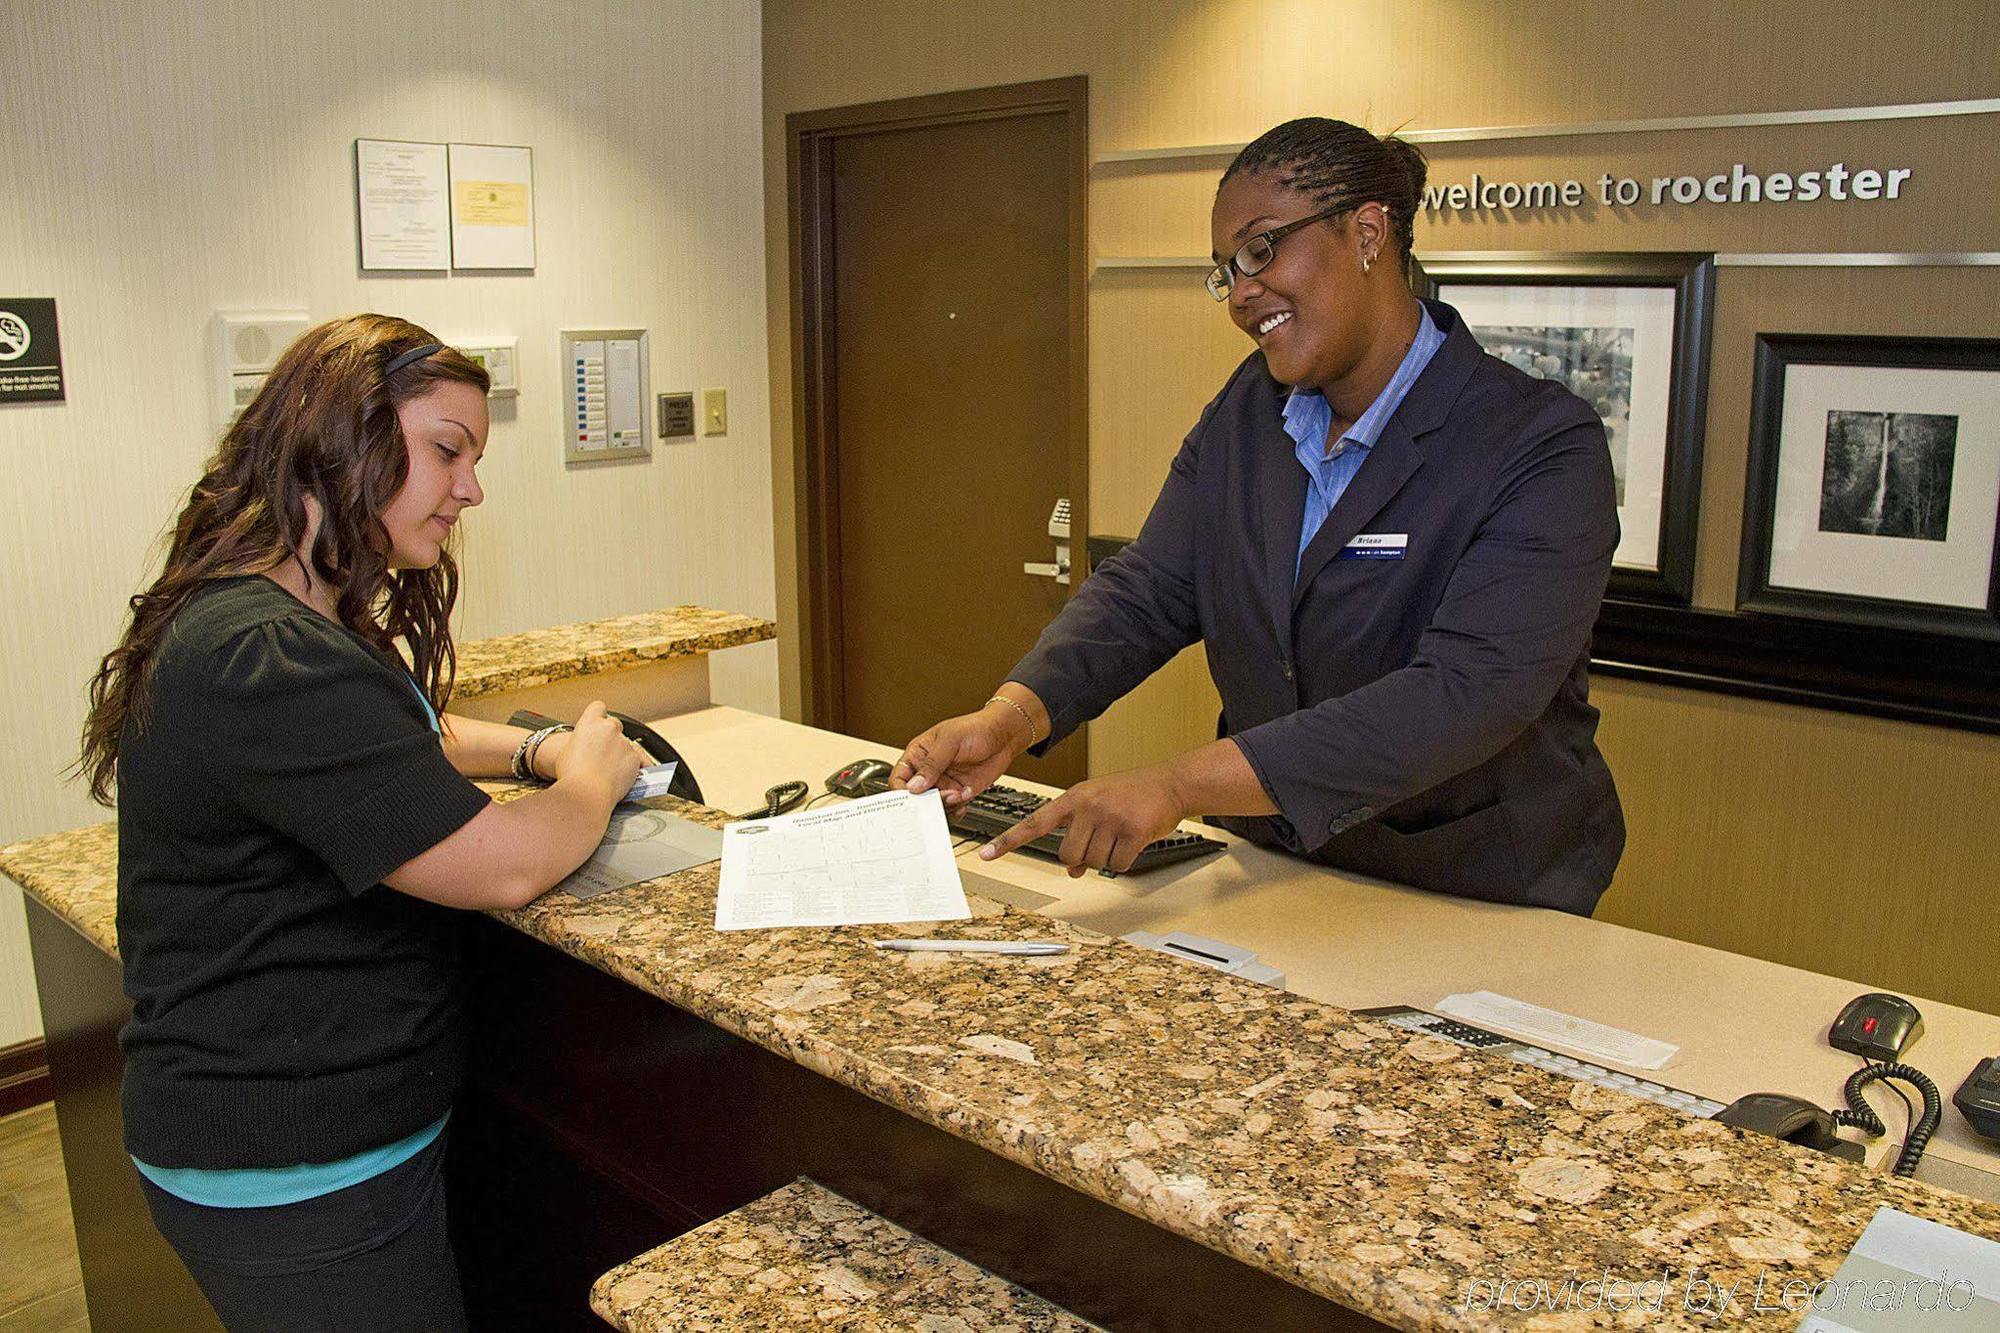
<point>1231,958</point>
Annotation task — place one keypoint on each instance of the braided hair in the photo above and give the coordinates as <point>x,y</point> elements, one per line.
<point>1341,166</point>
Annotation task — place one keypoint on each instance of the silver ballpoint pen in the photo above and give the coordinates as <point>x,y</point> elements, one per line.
<point>1032,948</point>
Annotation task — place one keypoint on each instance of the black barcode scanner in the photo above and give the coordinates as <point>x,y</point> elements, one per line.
<point>652,742</point>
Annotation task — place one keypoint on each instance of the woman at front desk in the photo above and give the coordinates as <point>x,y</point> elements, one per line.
<point>1392,547</point>
<point>294,824</point>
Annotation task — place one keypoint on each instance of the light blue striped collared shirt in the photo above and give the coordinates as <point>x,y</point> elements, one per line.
<point>1308,418</point>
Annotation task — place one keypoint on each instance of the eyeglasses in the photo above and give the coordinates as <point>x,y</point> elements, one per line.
<point>1252,256</point>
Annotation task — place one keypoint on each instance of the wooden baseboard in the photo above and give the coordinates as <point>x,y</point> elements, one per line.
<point>24,1076</point>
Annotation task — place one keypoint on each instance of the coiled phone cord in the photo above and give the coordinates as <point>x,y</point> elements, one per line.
<point>1860,1115</point>
<point>777,800</point>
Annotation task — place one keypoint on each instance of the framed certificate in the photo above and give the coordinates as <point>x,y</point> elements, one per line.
<point>401,208</point>
<point>492,206</point>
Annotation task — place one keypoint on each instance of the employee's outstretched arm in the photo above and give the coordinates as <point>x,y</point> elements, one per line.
<point>1134,612</point>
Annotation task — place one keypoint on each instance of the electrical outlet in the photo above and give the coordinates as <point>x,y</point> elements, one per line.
<point>715,411</point>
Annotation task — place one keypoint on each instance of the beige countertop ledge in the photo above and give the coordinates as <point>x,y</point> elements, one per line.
<point>1402,1176</point>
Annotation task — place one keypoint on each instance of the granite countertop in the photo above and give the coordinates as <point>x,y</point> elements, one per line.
<point>1400,1175</point>
<point>541,656</point>
<point>804,1257</point>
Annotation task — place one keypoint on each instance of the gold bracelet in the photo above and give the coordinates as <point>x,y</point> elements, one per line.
<point>1025,717</point>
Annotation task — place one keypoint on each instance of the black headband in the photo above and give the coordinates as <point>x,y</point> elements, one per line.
<point>410,357</point>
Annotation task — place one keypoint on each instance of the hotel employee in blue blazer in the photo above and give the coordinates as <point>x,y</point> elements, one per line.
<point>1392,547</point>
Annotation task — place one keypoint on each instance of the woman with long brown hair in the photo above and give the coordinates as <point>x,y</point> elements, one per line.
<point>295,818</point>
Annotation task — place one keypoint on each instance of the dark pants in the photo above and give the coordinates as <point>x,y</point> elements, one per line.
<point>371,1257</point>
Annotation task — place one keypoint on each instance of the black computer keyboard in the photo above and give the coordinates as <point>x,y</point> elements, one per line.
<point>999,808</point>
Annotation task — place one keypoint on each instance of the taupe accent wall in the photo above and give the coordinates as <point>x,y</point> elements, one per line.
<point>1836,843</point>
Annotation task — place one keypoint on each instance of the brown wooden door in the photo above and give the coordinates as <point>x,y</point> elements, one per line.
<point>949,421</point>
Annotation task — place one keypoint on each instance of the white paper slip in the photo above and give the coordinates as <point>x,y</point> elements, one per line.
<point>1904,1273</point>
<point>1518,1018</point>
<point>880,859</point>
<point>654,779</point>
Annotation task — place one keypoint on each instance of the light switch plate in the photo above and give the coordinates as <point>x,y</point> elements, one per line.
<point>497,355</point>
<point>715,411</point>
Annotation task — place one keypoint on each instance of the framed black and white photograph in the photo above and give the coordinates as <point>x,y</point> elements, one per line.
<point>1874,482</point>
<point>1628,334</point>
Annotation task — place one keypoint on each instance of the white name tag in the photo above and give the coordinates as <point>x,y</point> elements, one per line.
<point>1377,546</point>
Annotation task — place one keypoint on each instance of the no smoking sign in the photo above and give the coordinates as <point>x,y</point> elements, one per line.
<point>30,351</point>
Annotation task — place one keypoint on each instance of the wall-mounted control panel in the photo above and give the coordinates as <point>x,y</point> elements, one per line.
<point>243,346</point>
<point>497,356</point>
<point>677,416</point>
<point>605,380</point>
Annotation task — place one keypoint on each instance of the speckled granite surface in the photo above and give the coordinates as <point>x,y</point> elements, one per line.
<point>523,661</point>
<point>1402,1176</point>
<point>74,875</point>
<point>804,1257</point>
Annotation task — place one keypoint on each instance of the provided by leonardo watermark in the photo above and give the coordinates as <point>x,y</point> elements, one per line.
<point>1696,1293</point>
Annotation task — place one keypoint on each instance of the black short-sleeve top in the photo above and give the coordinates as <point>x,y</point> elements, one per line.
<point>287,1006</point>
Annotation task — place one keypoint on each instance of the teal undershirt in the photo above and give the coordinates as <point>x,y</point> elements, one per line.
<point>271,1187</point>
<point>268,1187</point>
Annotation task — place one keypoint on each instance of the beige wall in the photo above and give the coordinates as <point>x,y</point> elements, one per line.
<point>1752,827</point>
<point>162,160</point>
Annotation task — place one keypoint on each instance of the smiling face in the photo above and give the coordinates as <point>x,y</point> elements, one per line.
<point>1310,309</point>
<point>444,432</point>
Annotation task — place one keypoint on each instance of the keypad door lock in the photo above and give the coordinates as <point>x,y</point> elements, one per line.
<point>1058,529</point>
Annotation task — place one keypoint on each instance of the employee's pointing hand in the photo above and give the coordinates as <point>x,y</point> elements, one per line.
<point>1110,820</point>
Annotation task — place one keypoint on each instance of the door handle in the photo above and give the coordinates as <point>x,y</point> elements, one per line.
<point>1059,571</point>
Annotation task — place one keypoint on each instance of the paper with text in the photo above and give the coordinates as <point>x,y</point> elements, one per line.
<point>880,859</point>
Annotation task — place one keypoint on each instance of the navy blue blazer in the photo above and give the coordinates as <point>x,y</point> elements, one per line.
<point>1423,719</point>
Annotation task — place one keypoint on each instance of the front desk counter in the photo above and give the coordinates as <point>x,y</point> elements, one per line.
<point>1743,1025</point>
<point>1143,1141</point>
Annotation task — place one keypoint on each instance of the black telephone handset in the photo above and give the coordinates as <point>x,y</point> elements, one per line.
<point>1792,1119</point>
<point>652,742</point>
<point>1978,1098</point>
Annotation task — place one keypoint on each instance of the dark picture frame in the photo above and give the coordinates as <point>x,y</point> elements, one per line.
<point>1691,276</point>
<point>1891,619</point>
